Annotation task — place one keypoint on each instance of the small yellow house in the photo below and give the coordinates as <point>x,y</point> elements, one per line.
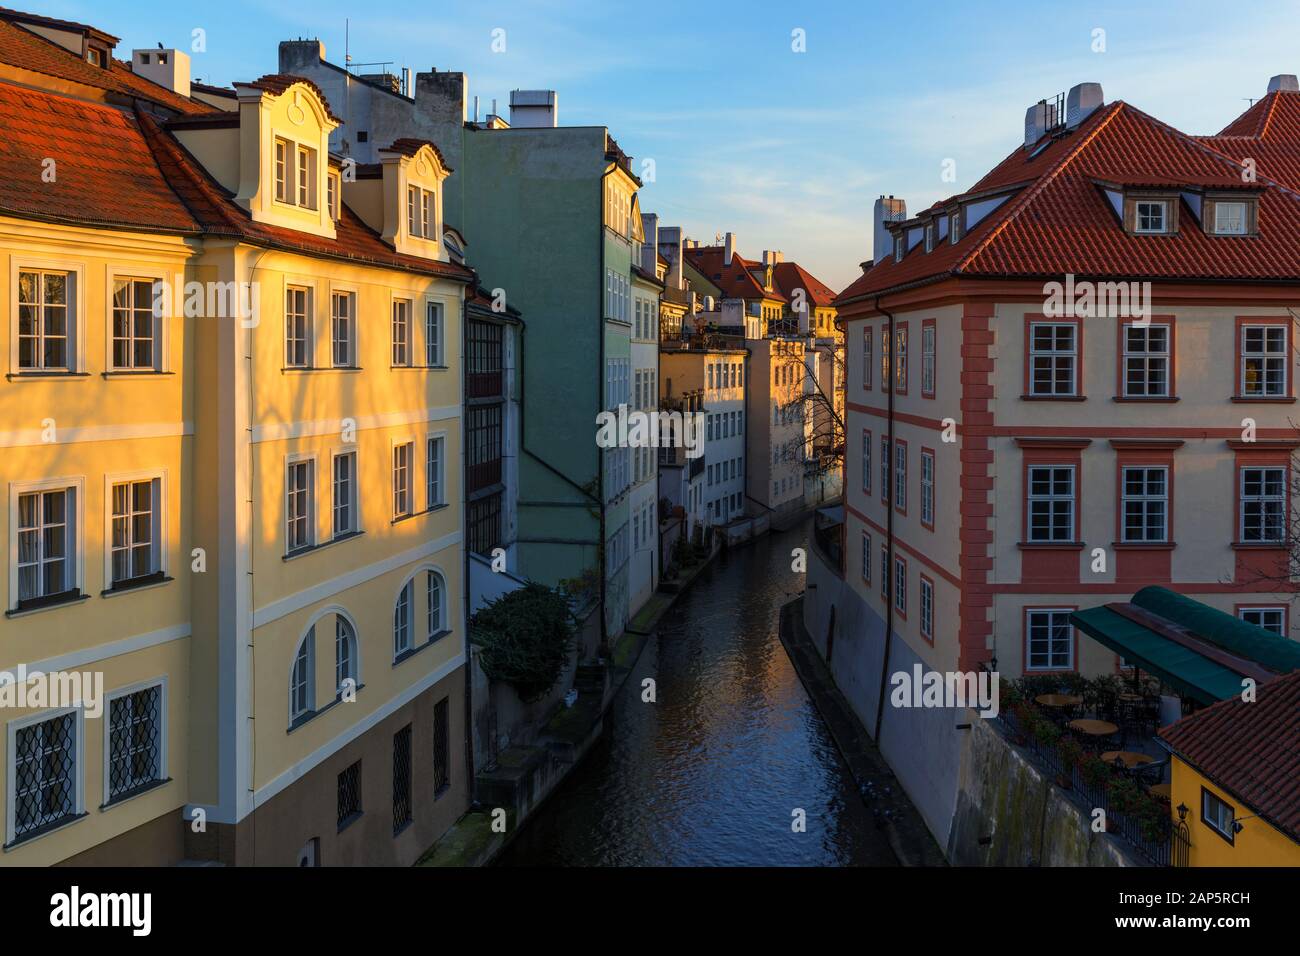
<point>232,446</point>
<point>1235,767</point>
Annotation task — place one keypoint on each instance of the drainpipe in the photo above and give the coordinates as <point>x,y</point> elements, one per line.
<point>600,393</point>
<point>467,570</point>
<point>888,569</point>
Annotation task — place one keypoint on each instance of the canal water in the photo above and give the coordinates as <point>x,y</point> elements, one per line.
<point>713,771</point>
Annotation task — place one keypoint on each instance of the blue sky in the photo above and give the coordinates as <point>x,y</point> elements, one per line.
<point>788,150</point>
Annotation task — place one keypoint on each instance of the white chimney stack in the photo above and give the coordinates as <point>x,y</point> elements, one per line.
<point>1080,103</point>
<point>888,209</point>
<point>169,68</point>
<point>728,248</point>
<point>1284,83</point>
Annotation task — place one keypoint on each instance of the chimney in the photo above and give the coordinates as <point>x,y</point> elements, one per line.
<point>1284,83</point>
<point>406,82</point>
<point>1081,101</point>
<point>728,248</point>
<point>169,68</point>
<point>1039,118</point>
<point>534,109</point>
<point>650,248</point>
<point>888,209</point>
<point>671,237</point>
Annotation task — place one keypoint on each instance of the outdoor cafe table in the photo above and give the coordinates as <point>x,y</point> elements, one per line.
<point>1093,728</point>
<point>1058,700</point>
<point>1128,758</point>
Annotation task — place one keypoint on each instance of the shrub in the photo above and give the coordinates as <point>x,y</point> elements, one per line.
<point>526,637</point>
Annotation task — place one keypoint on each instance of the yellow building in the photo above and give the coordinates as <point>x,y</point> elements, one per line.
<point>233,470</point>
<point>1233,770</point>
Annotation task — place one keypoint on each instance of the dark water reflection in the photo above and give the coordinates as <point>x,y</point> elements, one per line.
<point>711,772</point>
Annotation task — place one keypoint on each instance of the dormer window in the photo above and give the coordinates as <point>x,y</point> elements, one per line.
<point>1152,216</point>
<point>1230,218</point>
<point>420,216</point>
<point>929,236</point>
<point>332,194</point>
<point>900,245</point>
<point>954,227</point>
<point>95,57</point>
<point>295,174</point>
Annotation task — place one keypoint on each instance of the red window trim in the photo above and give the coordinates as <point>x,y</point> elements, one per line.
<point>1239,385</point>
<point>920,622</point>
<point>902,357</point>
<point>934,488</point>
<point>1024,626</point>
<point>893,587</point>
<point>866,536</point>
<point>1121,378</point>
<point>1079,393</point>
<point>886,366</point>
<point>893,477</point>
<point>1138,453</point>
<point>1048,451</point>
<point>867,440</point>
<point>929,324</point>
<point>1249,455</point>
<point>868,337</point>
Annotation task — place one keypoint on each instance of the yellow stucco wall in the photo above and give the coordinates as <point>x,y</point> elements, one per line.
<point>1258,844</point>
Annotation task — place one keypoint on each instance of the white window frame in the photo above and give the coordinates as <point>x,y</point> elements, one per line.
<point>1263,499</point>
<point>1146,357</point>
<point>354,498</point>
<point>407,343</point>
<point>1030,613</point>
<point>76,273</point>
<point>1265,356</point>
<point>929,342</point>
<point>435,482</point>
<point>160,517</point>
<point>1054,355</point>
<point>157,277</point>
<point>308,344</point>
<point>1278,609</point>
<point>900,585</point>
<point>1051,498</point>
<point>77,549</point>
<point>407,442</point>
<point>927,488</point>
<point>161,683</point>
<point>334,194</point>
<point>866,557</point>
<point>439,626</point>
<point>435,345</point>
<point>308,640</point>
<point>354,653</point>
<point>900,475</point>
<point>1163,205</point>
<point>407,644</point>
<point>1221,222</point>
<point>349,294</point>
<point>867,450</point>
<point>925,607</point>
<point>78,771</point>
<point>290,462</point>
<point>1143,501</point>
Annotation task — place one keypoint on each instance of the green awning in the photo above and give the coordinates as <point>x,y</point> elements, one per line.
<point>1179,666</point>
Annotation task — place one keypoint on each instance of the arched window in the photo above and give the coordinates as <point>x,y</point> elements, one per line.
<point>436,607</point>
<point>402,621</point>
<point>302,691</point>
<point>345,653</point>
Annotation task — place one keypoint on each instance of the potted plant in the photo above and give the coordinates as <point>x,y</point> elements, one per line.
<point>1070,753</point>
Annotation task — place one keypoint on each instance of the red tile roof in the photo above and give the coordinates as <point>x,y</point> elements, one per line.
<point>1251,750</point>
<point>1059,220</point>
<point>120,168</point>
<point>26,50</point>
<point>735,280</point>
<point>788,276</point>
<point>104,171</point>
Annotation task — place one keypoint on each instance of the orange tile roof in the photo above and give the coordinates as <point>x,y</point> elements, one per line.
<point>1251,750</point>
<point>735,281</point>
<point>788,276</point>
<point>1058,220</point>
<point>277,83</point>
<point>28,51</point>
<point>104,171</point>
